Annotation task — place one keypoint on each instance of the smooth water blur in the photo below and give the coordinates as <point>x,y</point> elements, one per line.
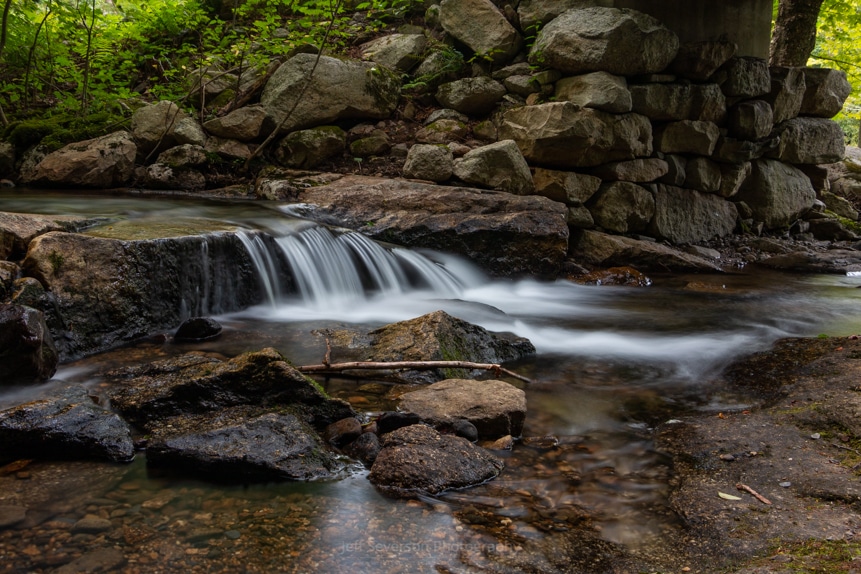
<point>611,362</point>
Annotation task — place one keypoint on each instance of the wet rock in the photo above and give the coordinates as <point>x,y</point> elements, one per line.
<point>418,460</point>
<point>365,448</point>
<point>191,384</point>
<point>700,60</point>
<point>397,51</point>
<point>498,166</point>
<point>618,41</point>
<point>393,420</point>
<point>429,162</point>
<point>475,96</point>
<point>92,525</point>
<point>776,192</point>
<point>242,443</point>
<point>12,515</point>
<point>460,220</point>
<point>688,216</point>
<point>825,92</point>
<point>839,261</point>
<point>197,329</point>
<point>244,124</point>
<point>17,230</point>
<point>106,161</point>
<point>601,249</point>
<point>101,560</point>
<point>495,408</point>
<point>626,276</point>
<point>309,148</point>
<point>68,425</point>
<point>622,207</point>
<point>9,272</point>
<point>27,350</point>
<point>343,432</point>
<point>481,26</point>
<point>598,90</point>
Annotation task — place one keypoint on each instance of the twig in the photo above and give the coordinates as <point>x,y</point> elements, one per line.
<point>415,365</point>
<point>327,360</point>
<point>754,493</point>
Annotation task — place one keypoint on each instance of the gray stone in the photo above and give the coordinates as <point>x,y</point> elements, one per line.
<point>831,261</point>
<point>559,134</point>
<point>687,216</point>
<point>745,76</point>
<point>598,90</point>
<point>622,207</point>
<point>446,114</point>
<point>162,176</point>
<point>496,408</point>
<point>809,141</point>
<point>154,125</point>
<point>600,249</point>
<point>750,120</point>
<point>521,85</point>
<point>482,27</point>
<point>442,131</point>
<point>776,193</point>
<point>619,41</point>
<point>185,155</point>
<point>839,205</point>
<point>675,170</point>
<point>91,524</point>
<point>306,149</point>
<point>17,230</point>
<point>733,176</point>
<point>635,170</point>
<point>669,102</point>
<point>534,14</point>
<point>430,162</point>
<point>580,216</point>
<point>688,136</point>
<point>189,131</point>
<point>702,174</point>
<point>830,229</point>
<point>700,60</point>
<point>229,149</point>
<point>566,186</point>
<point>100,560</point>
<point>338,89</point>
<point>244,124</point>
<point>731,150</point>
<point>496,166</point>
<point>787,92</point>
<point>106,161</point>
<point>212,86</point>
<point>417,460</point>
<point>474,96</point>
<point>825,92</point>
<point>374,144</point>
<point>397,51</point>
<point>68,425</point>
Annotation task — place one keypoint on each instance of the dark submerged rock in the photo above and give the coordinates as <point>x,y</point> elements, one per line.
<point>197,329</point>
<point>365,448</point>
<point>395,420</point>
<point>418,460</point>
<point>67,426</point>
<point>27,351</point>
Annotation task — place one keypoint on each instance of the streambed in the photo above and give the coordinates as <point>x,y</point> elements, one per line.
<point>585,491</point>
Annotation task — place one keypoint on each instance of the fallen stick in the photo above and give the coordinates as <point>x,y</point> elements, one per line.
<point>754,493</point>
<point>415,365</point>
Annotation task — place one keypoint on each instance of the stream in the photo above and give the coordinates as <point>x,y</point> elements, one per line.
<point>583,484</point>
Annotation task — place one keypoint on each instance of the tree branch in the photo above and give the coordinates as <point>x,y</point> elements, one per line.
<point>414,365</point>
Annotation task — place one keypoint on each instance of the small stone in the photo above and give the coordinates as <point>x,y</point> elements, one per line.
<point>785,484</point>
<point>727,457</point>
<point>92,525</point>
<point>816,436</point>
<point>233,534</point>
<point>11,515</point>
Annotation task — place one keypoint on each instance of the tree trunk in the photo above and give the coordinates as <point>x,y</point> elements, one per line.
<point>794,32</point>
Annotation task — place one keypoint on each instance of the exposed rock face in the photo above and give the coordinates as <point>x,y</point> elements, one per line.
<point>481,26</point>
<point>496,166</point>
<point>192,384</point>
<point>104,287</point>
<point>825,92</point>
<point>598,90</point>
<point>397,51</point>
<point>27,351</point>
<point>604,250</point>
<point>106,161</point>
<point>338,90</point>
<point>459,220</point>
<point>687,216</point>
<point>809,141</point>
<point>477,96</point>
<point>418,460</point>
<point>618,41</point>
<point>559,134</point>
<point>69,425</point>
<point>155,125</point>
<point>496,408</point>
<point>430,162</point>
<point>622,207</point>
<point>438,336</point>
<point>242,443</point>
<point>777,193</point>
<point>243,124</point>
<point>307,149</point>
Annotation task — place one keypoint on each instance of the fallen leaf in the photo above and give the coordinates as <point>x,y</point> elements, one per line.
<point>726,496</point>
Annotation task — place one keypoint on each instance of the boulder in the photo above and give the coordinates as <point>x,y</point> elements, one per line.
<point>197,329</point>
<point>825,92</point>
<point>777,193</point>
<point>809,141</point>
<point>579,216</point>
<point>436,336</point>
<point>154,126</point>
<point>745,77</point>
<point>619,41</point>
<point>162,176</point>
<point>212,86</point>
<point>306,149</point>
<point>192,384</point>
<point>687,136</point>
<point>598,90</point>
<point>27,351</point>
<point>242,443</point>
<point>17,230</point>
<point>673,102</point>
<point>110,288</point>
<point>566,186</point>
<point>373,144</point>
<point>750,120</point>
<point>475,96</point>
<point>417,460</point>
<point>732,176</point>
<point>482,27</point>
<point>429,162</point>
<point>787,92</point>
<point>365,448</point>
<point>229,150</point>
<point>106,161</point>
<point>507,235</point>
<point>559,134</point>
<point>601,249</point>
<point>337,90</point>
<point>498,166</point>
<point>676,170</point>
<point>401,52</point>
<point>496,408</point>
<point>534,14</point>
<point>244,124</point>
<point>189,131</point>
<point>698,61</point>
<point>838,205</point>
<point>442,131</point>
<point>634,170</point>
<point>702,174</point>
<point>68,425</point>
<point>523,85</point>
<point>688,216</point>
<point>622,207</point>
<point>184,155</point>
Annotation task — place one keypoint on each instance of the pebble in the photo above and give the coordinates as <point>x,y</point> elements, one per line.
<point>92,525</point>
<point>12,515</point>
<point>785,484</point>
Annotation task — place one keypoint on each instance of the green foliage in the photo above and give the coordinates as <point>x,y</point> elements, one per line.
<point>838,45</point>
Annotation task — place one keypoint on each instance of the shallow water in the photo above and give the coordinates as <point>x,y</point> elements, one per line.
<point>611,362</point>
